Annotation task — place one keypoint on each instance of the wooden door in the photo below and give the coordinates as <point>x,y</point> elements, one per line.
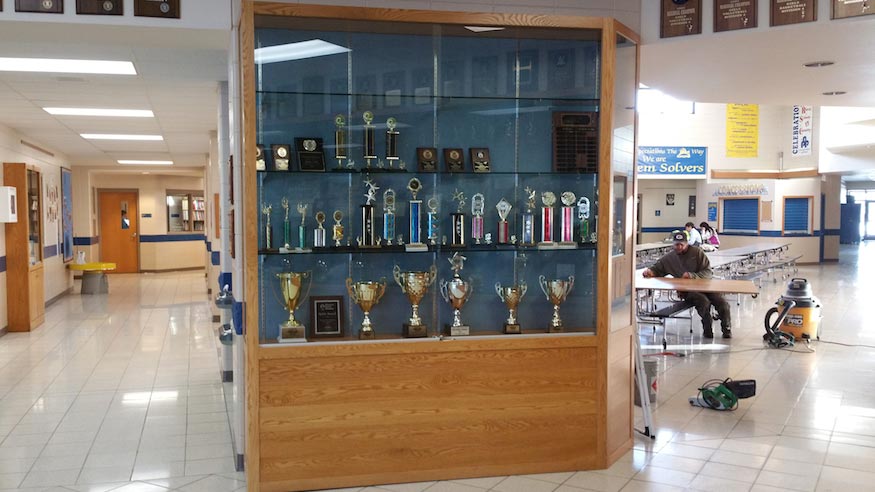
<point>119,230</point>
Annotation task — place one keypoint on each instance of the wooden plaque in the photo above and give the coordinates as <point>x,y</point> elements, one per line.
<point>730,15</point>
<point>680,18</point>
<point>157,8</point>
<point>454,160</point>
<point>42,6</point>
<point>99,7</point>
<point>842,9</point>
<point>786,12</point>
<point>426,158</point>
<point>326,317</point>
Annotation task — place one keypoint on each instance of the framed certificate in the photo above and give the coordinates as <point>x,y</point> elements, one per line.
<point>326,317</point>
<point>310,155</point>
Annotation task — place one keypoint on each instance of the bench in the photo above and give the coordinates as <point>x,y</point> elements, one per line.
<point>93,276</point>
<point>648,314</point>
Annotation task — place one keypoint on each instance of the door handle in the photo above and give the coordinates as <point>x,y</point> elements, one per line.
<point>134,235</point>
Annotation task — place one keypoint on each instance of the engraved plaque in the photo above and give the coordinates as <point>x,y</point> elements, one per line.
<point>785,12</point>
<point>455,160</point>
<point>99,7</point>
<point>730,15</point>
<point>480,159</point>
<point>310,155</point>
<point>680,18</point>
<point>426,157</point>
<point>842,9</point>
<point>42,6</point>
<point>157,8</point>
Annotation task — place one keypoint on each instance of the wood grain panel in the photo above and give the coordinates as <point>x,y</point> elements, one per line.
<point>22,278</point>
<point>37,295</point>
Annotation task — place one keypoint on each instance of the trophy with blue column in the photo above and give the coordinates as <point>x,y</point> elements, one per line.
<point>414,186</point>
<point>389,216</point>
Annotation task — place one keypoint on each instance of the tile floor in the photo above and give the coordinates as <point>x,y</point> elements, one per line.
<point>124,396</point>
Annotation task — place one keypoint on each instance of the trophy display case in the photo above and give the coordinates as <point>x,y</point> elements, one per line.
<point>428,225</point>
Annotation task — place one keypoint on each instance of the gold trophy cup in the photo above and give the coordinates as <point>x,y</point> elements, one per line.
<point>456,292</point>
<point>293,292</point>
<point>415,285</point>
<point>511,297</point>
<point>366,295</point>
<point>556,291</point>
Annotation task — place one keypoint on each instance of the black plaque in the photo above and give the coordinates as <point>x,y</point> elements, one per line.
<point>560,69</point>
<point>786,12</point>
<point>426,158</point>
<point>842,9</point>
<point>454,160</point>
<point>480,159</point>
<point>310,155</point>
<point>282,157</point>
<point>326,317</point>
<point>259,158</point>
<point>41,6</point>
<point>100,7</point>
<point>730,15</point>
<point>157,8</point>
<point>680,18</point>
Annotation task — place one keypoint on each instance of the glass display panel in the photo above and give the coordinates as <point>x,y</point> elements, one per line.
<point>469,122</point>
<point>34,215</point>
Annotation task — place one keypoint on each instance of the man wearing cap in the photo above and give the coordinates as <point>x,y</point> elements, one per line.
<point>687,261</point>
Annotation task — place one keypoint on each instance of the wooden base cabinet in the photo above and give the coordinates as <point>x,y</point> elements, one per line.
<point>508,136</point>
<point>25,294</point>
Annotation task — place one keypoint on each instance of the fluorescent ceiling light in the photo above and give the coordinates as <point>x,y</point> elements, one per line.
<point>144,163</point>
<point>55,65</point>
<point>297,51</point>
<point>130,113</point>
<point>109,136</point>
<point>483,28</point>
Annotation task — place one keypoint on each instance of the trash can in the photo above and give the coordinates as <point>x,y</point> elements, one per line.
<point>650,368</point>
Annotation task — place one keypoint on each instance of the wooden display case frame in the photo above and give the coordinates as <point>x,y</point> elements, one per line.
<point>341,414</point>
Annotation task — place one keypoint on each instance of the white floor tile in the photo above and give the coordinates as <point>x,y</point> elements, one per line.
<point>597,481</point>
<point>523,484</point>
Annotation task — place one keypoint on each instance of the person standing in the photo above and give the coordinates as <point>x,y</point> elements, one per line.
<point>686,261</point>
<point>694,237</point>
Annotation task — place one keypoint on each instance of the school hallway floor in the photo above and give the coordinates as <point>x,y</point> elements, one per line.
<point>122,393</point>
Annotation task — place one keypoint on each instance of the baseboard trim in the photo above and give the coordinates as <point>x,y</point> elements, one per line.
<point>830,260</point>
<point>188,269</point>
<point>4,330</point>
<point>227,376</point>
<point>58,297</point>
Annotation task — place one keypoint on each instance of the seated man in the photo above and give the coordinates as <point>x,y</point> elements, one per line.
<point>690,262</point>
<point>695,237</point>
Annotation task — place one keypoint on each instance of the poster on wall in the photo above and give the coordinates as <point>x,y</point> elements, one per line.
<point>842,9</point>
<point>669,199</point>
<point>742,130</point>
<point>67,214</point>
<point>803,127</point>
<point>712,211</point>
<point>786,12</point>
<point>680,18</point>
<point>730,15</point>
<point>691,206</point>
<point>672,162</point>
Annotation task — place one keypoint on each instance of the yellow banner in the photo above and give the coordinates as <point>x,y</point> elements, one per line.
<point>742,130</point>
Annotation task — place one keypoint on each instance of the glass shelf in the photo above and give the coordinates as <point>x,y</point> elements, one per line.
<point>345,250</point>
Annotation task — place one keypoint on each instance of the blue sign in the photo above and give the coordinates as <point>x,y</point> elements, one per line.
<point>672,162</point>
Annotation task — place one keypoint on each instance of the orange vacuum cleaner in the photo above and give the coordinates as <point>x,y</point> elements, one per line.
<point>798,315</point>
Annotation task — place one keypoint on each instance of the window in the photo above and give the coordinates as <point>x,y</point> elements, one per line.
<point>185,211</point>
<point>797,215</point>
<point>740,215</point>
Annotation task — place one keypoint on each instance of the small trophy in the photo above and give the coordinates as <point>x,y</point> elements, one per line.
<point>302,229</point>
<point>480,159</point>
<point>548,198</point>
<point>259,158</point>
<point>391,142</point>
<point>528,219</point>
<point>287,226</point>
<point>366,295</point>
<point>340,140</point>
<point>503,208</point>
<point>416,244</point>
<point>281,155</point>
<point>367,239</point>
<point>567,229</point>
<point>414,285</point>
<point>368,139</point>
<point>389,216</point>
<point>458,220</point>
<point>266,209</point>
<point>434,222</point>
<point>478,202</point>
<point>583,217</point>
<point>511,297</point>
<point>319,232</point>
<point>456,292</point>
<point>291,287</point>
<point>556,291</point>
<point>337,230</point>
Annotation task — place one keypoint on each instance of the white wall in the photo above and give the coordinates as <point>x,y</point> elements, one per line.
<point>653,197</point>
<point>196,14</point>
<point>57,278</point>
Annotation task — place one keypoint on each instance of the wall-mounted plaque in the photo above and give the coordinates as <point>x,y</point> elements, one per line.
<point>680,18</point>
<point>99,7</point>
<point>157,8</point>
<point>42,6</point>
<point>730,15</point>
<point>842,9</point>
<point>310,155</point>
<point>455,160</point>
<point>480,159</point>
<point>785,12</point>
<point>426,157</point>
<point>326,317</point>
<point>282,156</point>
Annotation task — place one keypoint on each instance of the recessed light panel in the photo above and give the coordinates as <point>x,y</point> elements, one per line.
<point>127,113</point>
<point>55,65</point>
<point>134,162</point>
<point>297,51</point>
<point>110,136</point>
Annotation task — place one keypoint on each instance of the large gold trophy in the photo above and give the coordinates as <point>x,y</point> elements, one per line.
<point>556,291</point>
<point>456,292</point>
<point>293,293</point>
<point>511,297</point>
<point>415,285</point>
<point>366,295</point>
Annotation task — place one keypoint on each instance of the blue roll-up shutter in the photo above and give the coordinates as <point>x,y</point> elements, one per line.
<point>741,215</point>
<point>796,215</point>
